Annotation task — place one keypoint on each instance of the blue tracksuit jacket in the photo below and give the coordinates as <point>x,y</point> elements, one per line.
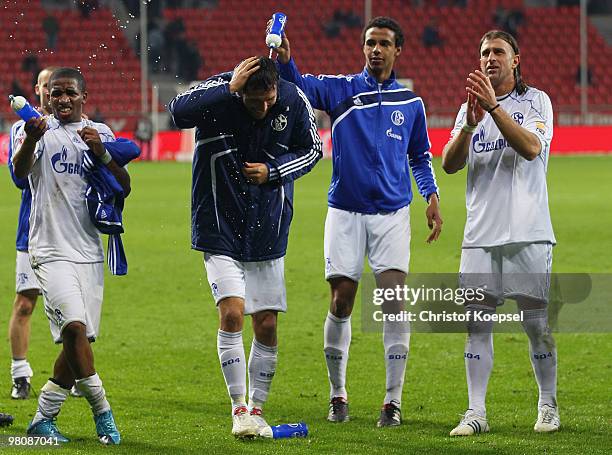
<point>379,132</point>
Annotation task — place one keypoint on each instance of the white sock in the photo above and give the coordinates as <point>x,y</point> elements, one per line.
<point>21,368</point>
<point>478,359</point>
<point>396,340</point>
<point>262,366</point>
<point>233,365</point>
<point>543,354</point>
<point>51,398</point>
<point>92,389</point>
<point>336,342</point>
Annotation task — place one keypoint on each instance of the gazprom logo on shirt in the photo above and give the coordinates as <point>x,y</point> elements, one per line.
<point>58,161</point>
<point>481,146</point>
<point>393,135</point>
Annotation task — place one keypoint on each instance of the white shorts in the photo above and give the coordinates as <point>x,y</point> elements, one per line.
<point>25,279</point>
<point>260,284</point>
<point>73,292</point>
<point>508,271</point>
<point>384,237</point>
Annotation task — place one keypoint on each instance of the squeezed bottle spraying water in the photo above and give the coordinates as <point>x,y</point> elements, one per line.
<point>274,38</point>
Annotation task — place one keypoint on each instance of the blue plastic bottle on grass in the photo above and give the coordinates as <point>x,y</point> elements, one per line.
<point>286,430</point>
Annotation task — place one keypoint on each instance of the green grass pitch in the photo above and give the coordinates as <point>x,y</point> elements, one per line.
<point>157,354</point>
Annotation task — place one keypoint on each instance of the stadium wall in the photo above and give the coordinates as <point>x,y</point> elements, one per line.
<point>176,145</point>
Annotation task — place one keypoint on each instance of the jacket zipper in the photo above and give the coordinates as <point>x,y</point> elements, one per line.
<point>377,160</point>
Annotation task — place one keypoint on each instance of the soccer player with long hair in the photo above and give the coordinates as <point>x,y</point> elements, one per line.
<point>503,134</point>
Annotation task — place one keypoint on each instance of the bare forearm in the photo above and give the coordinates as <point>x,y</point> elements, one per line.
<point>122,177</point>
<point>23,160</point>
<point>524,142</point>
<point>455,152</point>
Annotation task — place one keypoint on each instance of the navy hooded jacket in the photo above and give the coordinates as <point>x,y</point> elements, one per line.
<point>230,216</point>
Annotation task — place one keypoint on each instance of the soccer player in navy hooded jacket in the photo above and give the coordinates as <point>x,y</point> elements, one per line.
<point>255,134</point>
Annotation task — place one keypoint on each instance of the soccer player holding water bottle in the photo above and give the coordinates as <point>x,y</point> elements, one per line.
<point>27,288</point>
<point>379,135</point>
<point>65,248</point>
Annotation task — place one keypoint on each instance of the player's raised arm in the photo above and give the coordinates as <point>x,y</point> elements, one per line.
<point>316,88</point>
<point>16,130</point>
<point>187,107</point>
<point>524,142</point>
<point>284,50</point>
<point>455,152</point>
<point>242,73</point>
<point>24,158</point>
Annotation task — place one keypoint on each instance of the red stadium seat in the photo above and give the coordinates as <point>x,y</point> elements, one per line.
<point>438,73</point>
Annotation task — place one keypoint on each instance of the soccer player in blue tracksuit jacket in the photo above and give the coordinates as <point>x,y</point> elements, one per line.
<point>379,134</point>
<point>255,134</point>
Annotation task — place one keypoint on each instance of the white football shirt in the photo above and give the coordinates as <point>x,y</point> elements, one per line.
<point>506,195</point>
<point>60,227</point>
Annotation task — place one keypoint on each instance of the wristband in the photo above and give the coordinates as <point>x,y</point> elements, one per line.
<point>106,158</point>
<point>494,107</point>
<point>469,128</point>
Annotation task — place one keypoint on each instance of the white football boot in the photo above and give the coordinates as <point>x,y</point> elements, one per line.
<point>471,424</point>
<point>548,419</point>
<point>263,429</point>
<point>243,425</point>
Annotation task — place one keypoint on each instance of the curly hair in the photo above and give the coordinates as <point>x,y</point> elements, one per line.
<point>385,22</point>
<point>69,73</point>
